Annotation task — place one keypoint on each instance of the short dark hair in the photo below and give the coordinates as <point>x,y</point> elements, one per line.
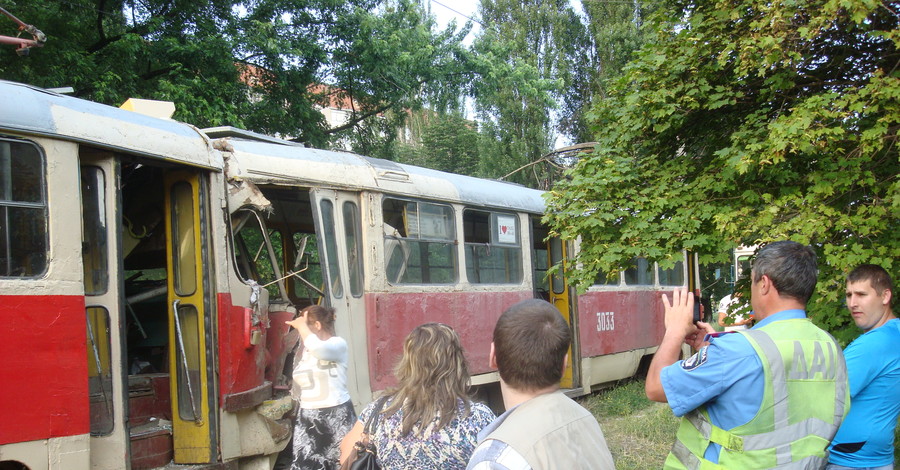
<point>531,340</point>
<point>790,266</point>
<point>321,314</point>
<point>876,275</point>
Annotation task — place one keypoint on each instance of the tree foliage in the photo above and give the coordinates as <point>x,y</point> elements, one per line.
<point>546,40</point>
<point>616,30</point>
<point>741,123</point>
<point>445,142</point>
<point>251,64</point>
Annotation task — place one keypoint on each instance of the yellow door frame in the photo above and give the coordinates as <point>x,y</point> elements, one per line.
<point>189,383</point>
<point>557,253</point>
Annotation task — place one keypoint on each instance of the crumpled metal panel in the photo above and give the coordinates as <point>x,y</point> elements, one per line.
<point>263,162</point>
<point>30,110</point>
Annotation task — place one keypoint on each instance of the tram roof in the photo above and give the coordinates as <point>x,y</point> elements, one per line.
<point>266,162</point>
<point>34,111</point>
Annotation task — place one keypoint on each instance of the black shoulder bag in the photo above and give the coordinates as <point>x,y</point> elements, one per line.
<point>364,456</point>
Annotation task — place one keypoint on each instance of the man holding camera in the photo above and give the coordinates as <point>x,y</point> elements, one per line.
<point>767,397</point>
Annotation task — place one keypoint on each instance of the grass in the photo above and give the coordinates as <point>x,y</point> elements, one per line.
<point>639,432</point>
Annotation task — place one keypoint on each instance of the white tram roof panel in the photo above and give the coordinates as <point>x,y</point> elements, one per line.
<point>34,111</point>
<point>266,162</point>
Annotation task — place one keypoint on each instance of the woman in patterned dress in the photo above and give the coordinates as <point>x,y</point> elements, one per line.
<point>320,386</point>
<point>428,421</point>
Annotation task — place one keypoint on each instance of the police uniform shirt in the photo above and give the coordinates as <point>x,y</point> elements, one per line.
<point>726,375</point>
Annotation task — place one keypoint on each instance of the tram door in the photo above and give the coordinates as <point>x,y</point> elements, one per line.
<point>102,289</point>
<point>560,297</point>
<point>190,366</point>
<point>339,226</point>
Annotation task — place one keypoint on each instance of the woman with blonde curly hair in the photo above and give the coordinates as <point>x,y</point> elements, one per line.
<point>428,420</point>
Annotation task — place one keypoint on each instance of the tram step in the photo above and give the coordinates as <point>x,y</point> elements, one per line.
<point>151,445</point>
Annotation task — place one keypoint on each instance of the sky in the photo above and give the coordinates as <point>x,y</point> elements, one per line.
<point>447,10</point>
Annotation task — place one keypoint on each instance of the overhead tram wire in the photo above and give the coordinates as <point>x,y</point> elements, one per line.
<point>459,13</point>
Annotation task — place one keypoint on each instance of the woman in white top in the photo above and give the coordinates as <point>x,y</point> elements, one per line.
<point>320,386</point>
<point>740,321</point>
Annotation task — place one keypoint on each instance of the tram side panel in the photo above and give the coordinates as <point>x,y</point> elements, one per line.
<point>44,372</point>
<point>617,329</point>
<point>391,316</point>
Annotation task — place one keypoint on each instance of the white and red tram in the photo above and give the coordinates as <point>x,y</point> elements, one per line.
<point>147,268</point>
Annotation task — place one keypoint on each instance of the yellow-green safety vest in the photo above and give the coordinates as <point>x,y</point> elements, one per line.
<point>806,396</point>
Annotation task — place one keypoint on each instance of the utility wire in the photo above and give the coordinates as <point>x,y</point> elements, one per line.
<point>459,13</point>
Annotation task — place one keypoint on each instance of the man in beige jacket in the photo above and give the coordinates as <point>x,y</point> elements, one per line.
<point>542,428</point>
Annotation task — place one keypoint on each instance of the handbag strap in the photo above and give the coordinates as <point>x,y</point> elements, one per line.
<point>372,422</point>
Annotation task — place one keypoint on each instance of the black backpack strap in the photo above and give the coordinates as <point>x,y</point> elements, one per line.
<point>372,422</point>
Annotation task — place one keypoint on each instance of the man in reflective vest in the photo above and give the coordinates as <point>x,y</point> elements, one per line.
<point>769,397</point>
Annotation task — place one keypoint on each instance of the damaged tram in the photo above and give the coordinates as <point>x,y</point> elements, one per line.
<point>147,268</point>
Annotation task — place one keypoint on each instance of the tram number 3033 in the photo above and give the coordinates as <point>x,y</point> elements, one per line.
<point>606,321</point>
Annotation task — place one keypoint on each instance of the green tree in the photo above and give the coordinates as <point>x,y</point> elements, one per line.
<point>247,64</point>
<point>547,40</point>
<point>617,33</point>
<point>741,123</point>
<point>447,142</point>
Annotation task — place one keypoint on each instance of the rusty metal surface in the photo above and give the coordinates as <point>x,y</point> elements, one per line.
<point>390,317</point>
<point>619,320</point>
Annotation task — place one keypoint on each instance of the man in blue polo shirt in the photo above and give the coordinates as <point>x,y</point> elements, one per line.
<point>771,396</point>
<point>866,438</point>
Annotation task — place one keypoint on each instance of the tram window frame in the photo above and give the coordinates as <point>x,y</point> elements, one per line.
<point>666,276</point>
<point>405,242</point>
<point>99,358</point>
<point>639,272</point>
<point>353,243</point>
<point>95,246</point>
<point>188,360</point>
<point>24,242</point>
<point>488,250</point>
<point>333,272</point>
<point>540,257</point>
<point>184,248</point>
<point>261,268</point>
<point>602,279</point>
<point>308,268</point>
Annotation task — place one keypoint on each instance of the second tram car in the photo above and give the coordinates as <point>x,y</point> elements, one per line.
<point>147,269</point>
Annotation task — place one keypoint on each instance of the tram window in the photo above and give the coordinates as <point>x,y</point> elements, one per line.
<point>352,231</point>
<point>557,281</point>
<point>639,273</point>
<point>23,210</point>
<point>337,289</point>
<point>251,252</point>
<point>540,257</point>
<point>94,250</point>
<point>187,363</point>
<point>419,242</point>
<point>673,276</point>
<point>492,246</point>
<point>99,375</point>
<point>183,244</point>
<point>743,267</point>
<point>604,279</point>
<point>307,284</point>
